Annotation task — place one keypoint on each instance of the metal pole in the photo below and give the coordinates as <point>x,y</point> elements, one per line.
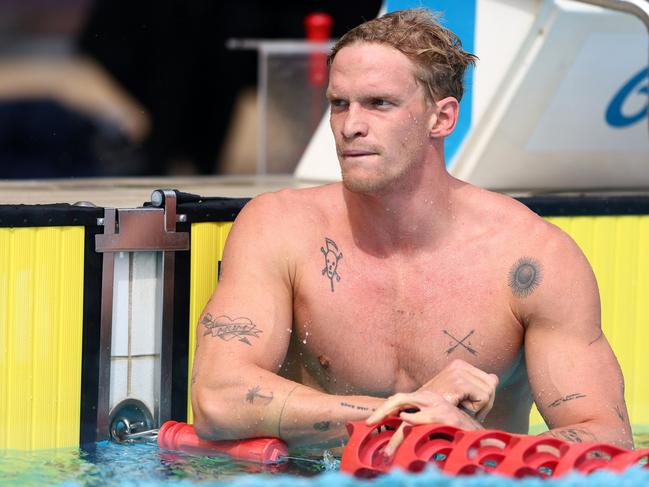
<point>105,331</point>
<point>166,348</point>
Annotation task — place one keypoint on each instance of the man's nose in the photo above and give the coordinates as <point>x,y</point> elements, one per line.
<point>355,124</point>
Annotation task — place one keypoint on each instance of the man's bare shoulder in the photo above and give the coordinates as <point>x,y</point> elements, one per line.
<point>286,209</point>
<point>539,255</point>
<point>271,229</point>
<point>513,219</point>
<point>516,234</point>
<point>538,232</point>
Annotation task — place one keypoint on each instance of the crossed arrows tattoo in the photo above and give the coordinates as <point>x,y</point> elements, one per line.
<point>460,343</point>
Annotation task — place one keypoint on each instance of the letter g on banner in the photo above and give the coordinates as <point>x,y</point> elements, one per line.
<point>638,84</point>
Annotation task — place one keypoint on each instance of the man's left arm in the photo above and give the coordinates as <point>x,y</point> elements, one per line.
<point>576,380</point>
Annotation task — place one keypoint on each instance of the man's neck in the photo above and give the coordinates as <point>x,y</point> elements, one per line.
<point>410,216</point>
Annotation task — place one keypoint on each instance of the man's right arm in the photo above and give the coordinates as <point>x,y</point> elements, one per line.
<point>243,337</point>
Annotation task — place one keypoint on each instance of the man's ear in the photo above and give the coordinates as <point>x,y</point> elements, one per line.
<point>445,118</point>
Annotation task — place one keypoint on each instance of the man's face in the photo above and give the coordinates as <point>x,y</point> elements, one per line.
<point>380,116</point>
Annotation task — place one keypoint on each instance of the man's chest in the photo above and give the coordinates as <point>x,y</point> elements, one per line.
<point>374,327</point>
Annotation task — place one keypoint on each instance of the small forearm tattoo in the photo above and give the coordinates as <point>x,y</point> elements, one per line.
<point>620,414</point>
<point>322,426</point>
<point>601,334</point>
<point>357,407</point>
<point>464,343</point>
<point>569,397</point>
<point>331,256</point>
<point>227,328</point>
<point>525,276</point>
<point>256,393</point>
<point>573,435</point>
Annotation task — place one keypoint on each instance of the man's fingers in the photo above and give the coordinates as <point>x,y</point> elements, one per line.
<point>391,405</point>
<point>395,440</point>
<point>469,407</point>
<point>470,389</point>
<point>482,414</point>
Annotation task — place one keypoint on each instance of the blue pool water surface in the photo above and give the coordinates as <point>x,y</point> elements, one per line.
<point>144,464</point>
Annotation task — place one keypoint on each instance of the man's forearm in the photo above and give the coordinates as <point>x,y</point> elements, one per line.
<point>310,417</point>
<point>264,404</point>
<point>594,432</point>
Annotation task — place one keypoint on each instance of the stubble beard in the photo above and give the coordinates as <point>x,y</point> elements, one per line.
<point>360,184</point>
<point>375,183</point>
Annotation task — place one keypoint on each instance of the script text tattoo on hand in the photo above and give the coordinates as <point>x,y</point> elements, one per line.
<point>228,329</point>
<point>524,276</point>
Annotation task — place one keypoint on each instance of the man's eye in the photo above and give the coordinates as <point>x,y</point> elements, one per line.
<point>380,102</point>
<point>338,103</point>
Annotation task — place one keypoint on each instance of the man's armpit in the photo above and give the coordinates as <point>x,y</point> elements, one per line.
<point>228,329</point>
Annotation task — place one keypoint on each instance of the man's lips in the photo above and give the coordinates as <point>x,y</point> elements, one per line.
<point>358,153</point>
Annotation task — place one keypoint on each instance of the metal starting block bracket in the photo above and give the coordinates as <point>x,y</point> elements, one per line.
<point>136,230</point>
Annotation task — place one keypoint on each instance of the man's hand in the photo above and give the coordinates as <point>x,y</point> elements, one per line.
<point>421,407</point>
<point>466,386</point>
<point>455,396</point>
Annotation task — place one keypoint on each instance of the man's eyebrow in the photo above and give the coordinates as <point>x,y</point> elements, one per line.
<point>382,96</point>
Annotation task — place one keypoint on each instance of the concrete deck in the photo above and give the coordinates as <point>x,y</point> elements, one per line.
<point>133,192</point>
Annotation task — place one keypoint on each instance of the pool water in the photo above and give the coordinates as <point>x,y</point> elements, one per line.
<point>110,464</point>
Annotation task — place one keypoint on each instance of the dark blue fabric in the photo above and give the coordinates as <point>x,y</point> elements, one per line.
<point>41,138</point>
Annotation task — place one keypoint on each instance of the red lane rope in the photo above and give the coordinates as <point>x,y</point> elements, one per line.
<point>458,452</point>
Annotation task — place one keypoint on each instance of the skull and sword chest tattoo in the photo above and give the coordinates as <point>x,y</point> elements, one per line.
<point>331,257</point>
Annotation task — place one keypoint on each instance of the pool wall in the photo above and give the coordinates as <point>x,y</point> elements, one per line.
<point>49,308</point>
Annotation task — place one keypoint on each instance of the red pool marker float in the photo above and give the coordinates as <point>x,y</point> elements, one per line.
<point>452,450</point>
<point>458,452</point>
<point>181,436</point>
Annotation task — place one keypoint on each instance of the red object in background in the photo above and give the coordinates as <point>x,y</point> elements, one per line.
<point>318,29</point>
<point>181,436</point>
<point>459,452</point>
<point>318,26</point>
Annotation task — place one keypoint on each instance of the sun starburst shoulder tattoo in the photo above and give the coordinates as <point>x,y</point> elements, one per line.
<point>525,276</point>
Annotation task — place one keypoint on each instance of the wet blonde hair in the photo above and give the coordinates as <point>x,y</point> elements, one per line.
<point>435,51</point>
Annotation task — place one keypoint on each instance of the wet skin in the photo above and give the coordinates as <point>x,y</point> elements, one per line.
<point>385,283</point>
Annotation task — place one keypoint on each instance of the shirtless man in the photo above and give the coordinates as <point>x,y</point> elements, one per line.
<point>458,305</point>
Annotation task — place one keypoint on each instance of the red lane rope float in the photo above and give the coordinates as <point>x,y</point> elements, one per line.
<point>459,452</point>
<point>181,436</point>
